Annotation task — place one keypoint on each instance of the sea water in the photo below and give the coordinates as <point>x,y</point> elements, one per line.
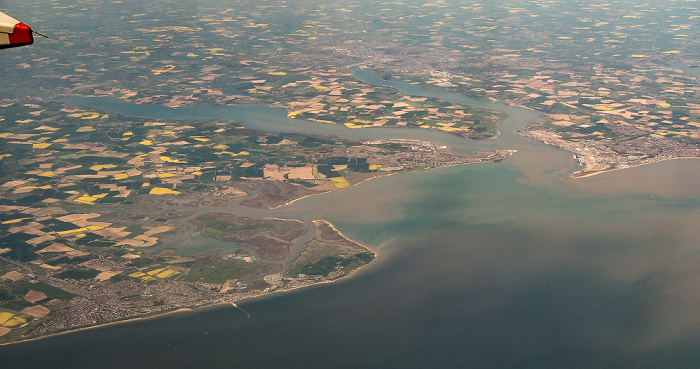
<point>476,269</point>
<point>492,265</point>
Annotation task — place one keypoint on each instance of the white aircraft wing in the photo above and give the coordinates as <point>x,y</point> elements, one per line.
<point>14,33</point>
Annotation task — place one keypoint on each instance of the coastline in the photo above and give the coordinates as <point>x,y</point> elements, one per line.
<point>231,301</point>
<point>298,287</point>
<point>84,328</point>
<point>614,161</point>
<point>324,192</point>
<point>241,298</point>
<point>581,174</point>
<point>317,221</point>
<point>387,174</point>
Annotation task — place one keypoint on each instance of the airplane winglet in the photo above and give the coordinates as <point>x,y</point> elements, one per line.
<point>14,33</point>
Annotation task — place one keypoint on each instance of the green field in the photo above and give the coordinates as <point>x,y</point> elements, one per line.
<point>218,227</point>
<point>323,258</point>
<point>221,270</point>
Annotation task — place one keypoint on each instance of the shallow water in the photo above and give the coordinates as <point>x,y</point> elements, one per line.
<point>476,270</point>
<point>481,266</point>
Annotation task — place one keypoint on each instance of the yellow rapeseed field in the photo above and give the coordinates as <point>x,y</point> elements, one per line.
<point>340,182</point>
<point>5,316</point>
<point>163,191</point>
<point>15,321</point>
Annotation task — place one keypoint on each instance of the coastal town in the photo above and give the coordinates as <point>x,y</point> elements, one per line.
<point>94,204</point>
<point>59,304</point>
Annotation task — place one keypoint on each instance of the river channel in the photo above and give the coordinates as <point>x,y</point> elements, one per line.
<point>492,265</point>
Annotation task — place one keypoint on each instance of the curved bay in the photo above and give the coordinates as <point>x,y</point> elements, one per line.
<point>488,265</point>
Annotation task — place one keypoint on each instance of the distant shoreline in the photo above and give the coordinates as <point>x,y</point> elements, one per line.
<point>575,175</point>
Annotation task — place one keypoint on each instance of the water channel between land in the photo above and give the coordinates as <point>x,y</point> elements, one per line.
<point>540,165</point>
<point>492,265</point>
<point>269,119</point>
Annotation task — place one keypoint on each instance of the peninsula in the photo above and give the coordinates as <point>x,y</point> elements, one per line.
<point>101,214</point>
<point>106,217</point>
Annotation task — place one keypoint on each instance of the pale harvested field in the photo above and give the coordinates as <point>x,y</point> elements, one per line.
<point>55,247</point>
<point>70,218</point>
<point>13,276</point>
<point>106,275</point>
<point>34,296</point>
<point>563,123</point>
<point>301,173</point>
<point>36,311</point>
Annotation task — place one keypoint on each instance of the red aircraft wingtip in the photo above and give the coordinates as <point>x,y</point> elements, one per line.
<point>22,35</point>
